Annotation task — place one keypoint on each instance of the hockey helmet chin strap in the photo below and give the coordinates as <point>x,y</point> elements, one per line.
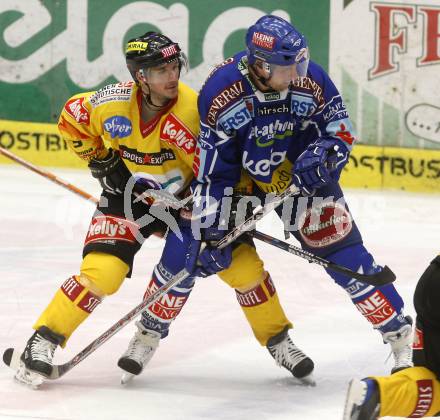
<point>147,96</point>
<point>149,102</point>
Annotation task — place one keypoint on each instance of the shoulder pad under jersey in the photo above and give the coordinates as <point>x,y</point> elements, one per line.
<point>312,86</point>
<point>117,92</point>
<point>223,88</point>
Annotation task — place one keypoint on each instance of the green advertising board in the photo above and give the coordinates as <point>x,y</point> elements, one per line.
<point>51,49</point>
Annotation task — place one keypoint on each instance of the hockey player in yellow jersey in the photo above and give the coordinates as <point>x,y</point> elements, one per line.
<point>137,136</point>
<point>413,392</point>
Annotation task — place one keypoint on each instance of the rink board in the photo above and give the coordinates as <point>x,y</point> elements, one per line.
<point>369,167</point>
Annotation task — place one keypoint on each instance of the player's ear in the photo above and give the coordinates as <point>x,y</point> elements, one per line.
<point>140,76</point>
<point>259,65</point>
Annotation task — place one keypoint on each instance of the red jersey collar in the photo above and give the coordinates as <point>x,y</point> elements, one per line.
<point>147,127</point>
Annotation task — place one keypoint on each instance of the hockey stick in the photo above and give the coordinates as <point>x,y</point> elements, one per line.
<point>11,356</point>
<point>163,196</point>
<point>170,200</point>
<point>383,277</point>
<point>48,175</point>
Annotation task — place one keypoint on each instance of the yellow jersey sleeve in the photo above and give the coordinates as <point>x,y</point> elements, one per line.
<point>76,126</point>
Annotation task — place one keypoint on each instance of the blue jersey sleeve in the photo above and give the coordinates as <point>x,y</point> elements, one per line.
<point>331,116</point>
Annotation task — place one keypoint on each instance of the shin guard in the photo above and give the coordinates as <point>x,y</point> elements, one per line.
<point>263,310</point>
<point>70,306</point>
<point>413,392</point>
<point>101,275</point>
<point>159,315</point>
<point>381,306</point>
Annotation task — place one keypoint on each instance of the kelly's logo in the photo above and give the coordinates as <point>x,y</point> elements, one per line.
<point>76,109</point>
<point>176,132</point>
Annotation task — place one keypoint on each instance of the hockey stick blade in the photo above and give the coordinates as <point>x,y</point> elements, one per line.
<point>383,277</point>
<point>11,358</point>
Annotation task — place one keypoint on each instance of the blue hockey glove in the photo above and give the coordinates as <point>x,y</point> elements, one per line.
<point>320,164</point>
<point>203,261</point>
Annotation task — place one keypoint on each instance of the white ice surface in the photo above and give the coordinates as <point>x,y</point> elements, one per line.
<point>210,367</point>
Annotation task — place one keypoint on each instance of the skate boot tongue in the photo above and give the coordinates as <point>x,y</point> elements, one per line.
<point>401,345</point>
<point>140,350</point>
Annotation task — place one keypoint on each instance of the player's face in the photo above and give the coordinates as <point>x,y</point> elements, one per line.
<point>163,80</point>
<point>282,76</point>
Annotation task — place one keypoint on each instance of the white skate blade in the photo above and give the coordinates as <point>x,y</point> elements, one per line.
<point>126,378</point>
<point>308,380</point>
<point>27,377</point>
<point>355,396</point>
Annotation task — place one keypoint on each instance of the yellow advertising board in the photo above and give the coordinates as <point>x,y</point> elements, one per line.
<point>40,144</point>
<point>369,167</point>
<point>393,168</point>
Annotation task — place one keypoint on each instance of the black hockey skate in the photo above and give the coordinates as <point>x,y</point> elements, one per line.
<point>363,400</point>
<point>287,355</point>
<point>36,360</point>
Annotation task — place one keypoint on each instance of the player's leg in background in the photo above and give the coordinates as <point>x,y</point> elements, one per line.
<point>156,318</point>
<point>259,301</point>
<point>381,306</point>
<point>324,226</point>
<point>427,334</point>
<point>413,392</point>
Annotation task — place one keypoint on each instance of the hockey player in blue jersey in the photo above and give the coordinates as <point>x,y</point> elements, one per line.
<point>272,112</point>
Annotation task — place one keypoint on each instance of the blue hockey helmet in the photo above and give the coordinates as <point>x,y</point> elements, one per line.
<point>275,41</point>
